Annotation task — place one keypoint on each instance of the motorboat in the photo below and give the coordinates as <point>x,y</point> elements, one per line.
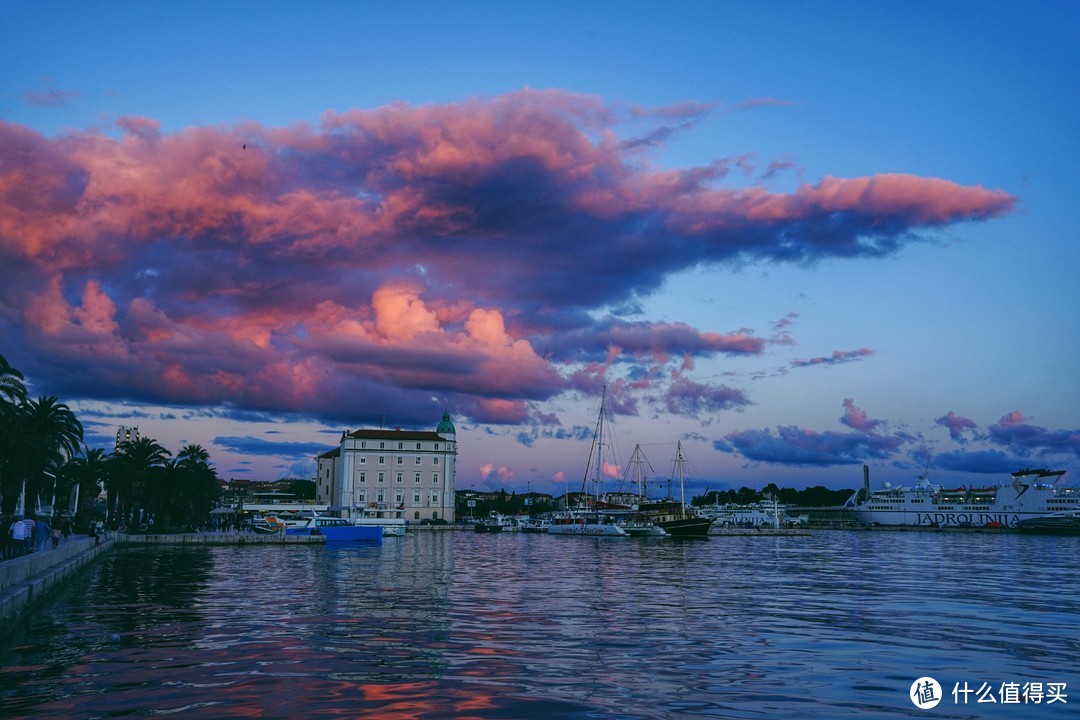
<point>1060,523</point>
<point>335,529</point>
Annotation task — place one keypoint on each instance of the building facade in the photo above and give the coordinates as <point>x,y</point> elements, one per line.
<point>410,470</point>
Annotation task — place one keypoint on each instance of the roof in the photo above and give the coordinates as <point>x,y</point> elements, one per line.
<point>395,435</point>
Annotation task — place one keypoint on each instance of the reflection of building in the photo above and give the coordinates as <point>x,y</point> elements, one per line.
<point>126,434</point>
<point>409,469</point>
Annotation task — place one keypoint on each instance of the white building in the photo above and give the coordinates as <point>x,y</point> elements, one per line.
<point>408,469</point>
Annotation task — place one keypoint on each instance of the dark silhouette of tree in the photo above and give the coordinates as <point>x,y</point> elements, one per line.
<point>303,489</point>
<point>89,473</point>
<point>195,486</point>
<point>12,395</point>
<point>50,435</point>
<point>135,465</point>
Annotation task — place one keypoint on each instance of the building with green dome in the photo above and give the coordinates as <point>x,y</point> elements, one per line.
<point>408,470</point>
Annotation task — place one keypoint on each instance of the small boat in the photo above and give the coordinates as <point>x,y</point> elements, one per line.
<point>267,525</point>
<point>336,529</point>
<point>534,525</point>
<point>495,522</point>
<point>381,515</point>
<point>1060,523</point>
<point>636,526</point>
<point>583,522</point>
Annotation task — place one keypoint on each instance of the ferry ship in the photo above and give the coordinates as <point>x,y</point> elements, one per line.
<point>1031,494</point>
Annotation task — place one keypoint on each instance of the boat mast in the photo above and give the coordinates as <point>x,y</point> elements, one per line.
<point>679,463</point>
<point>599,449</point>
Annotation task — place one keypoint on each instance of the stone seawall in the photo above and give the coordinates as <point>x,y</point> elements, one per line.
<point>26,580</point>
<point>222,538</point>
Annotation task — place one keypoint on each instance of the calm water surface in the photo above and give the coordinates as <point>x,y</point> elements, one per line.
<point>457,624</point>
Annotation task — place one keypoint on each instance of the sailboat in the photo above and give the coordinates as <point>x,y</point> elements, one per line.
<point>583,520</point>
<point>634,522</point>
<point>673,515</point>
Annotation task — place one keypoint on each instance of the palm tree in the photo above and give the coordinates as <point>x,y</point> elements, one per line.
<point>196,485</point>
<point>87,473</point>
<point>12,384</point>
<point>12,395</point>
<point>51,435</point>
<point>135,462</point>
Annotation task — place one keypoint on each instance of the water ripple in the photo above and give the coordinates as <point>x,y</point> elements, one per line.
<point>518,626</point>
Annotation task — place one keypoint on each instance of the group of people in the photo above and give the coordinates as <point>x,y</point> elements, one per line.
<point>27,535</point>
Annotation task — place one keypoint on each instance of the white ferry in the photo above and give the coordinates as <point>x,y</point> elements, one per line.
<point>1031,494</point>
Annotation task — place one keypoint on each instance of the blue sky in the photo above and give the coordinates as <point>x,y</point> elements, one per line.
<point>798,237</point>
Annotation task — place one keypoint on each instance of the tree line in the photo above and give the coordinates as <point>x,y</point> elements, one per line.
<point>817,496</point>
<point>44,458</point>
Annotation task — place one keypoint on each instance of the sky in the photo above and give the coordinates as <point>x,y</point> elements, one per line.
<point>795,237</point>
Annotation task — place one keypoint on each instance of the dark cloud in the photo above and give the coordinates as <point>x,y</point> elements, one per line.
<point>257,446</point>
<point>990,462</point>
<point>837,357</point>
<point>1014,433</point>
<point>447,255</point>
<point>798,447</point>
<point>957,425</point>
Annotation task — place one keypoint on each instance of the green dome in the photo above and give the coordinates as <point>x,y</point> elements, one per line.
<point>446,427</point>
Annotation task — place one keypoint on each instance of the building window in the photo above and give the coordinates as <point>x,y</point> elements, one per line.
<point>399,498</point>
<point>417,476</point>
<point>382,496</point>
<point>435,461</point>
<point>363,461</point>
<point>417,446</point>
<point>416,498</point>
<point>434,498</point>
<point>363,477</point>
<point>361,498</point>
<point>435,515</point>
<point>397,479</point>
<point>436,446</point>
<point>382,446</point>
<point>416,515</point>
<point>382,477</point>
<point>382,459</point>
<point>435,478</point>
<point>400,460</point>
<point>417,459</point>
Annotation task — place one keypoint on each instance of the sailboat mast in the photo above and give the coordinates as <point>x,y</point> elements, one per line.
<point>600,444</point>
<point>679,462</point>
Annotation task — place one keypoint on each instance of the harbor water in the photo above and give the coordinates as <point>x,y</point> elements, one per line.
<point>463,625</point>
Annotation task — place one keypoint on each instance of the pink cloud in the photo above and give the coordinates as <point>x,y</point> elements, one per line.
<point>857,418</point>
<point>457,250</point>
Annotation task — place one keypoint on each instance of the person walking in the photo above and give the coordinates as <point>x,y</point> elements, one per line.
<point>18,537</point>
<point>28,534</point>
<point>42,531</point>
